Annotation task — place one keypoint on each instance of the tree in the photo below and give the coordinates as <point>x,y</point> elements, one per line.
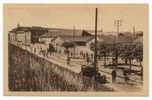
<point>116,50</point>
<point>138,53</point>
<point>102,50</point>
<point>128,53</point>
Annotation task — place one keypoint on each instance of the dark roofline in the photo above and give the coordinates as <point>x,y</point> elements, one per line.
<point>26,29</point>
<point>89,38</point>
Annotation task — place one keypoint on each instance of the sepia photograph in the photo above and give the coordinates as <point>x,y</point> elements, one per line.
<point>76,50</point>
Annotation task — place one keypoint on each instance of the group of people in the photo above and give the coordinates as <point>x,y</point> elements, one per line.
<point>125,75</point>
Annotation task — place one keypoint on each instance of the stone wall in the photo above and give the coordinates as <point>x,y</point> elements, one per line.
<point>29,72</point>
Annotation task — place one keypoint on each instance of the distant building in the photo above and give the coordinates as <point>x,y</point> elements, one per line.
<point>65,32</point>
<point>26,35</point>
<point>36,32</point>
<point>46,38</point>
<point>80,49</point>
<point>57,36</point>
<point>21,35</point>
<point>128,37</point>
<point>81,39</point>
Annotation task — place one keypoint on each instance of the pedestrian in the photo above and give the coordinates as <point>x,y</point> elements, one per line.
<point>47,52</point>
<point>114,75</point>
<point>126,78</point>
<point>88,59</point>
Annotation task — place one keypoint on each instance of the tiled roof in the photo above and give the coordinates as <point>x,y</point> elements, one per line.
<point>77,38</point>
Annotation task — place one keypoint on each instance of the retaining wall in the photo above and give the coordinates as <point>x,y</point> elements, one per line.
<point>29,72</point>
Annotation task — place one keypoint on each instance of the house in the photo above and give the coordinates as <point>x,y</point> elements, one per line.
<point>11,36</point>
<point>77,40</point>
<point>84,52</point>
<point>46,38</point>
<point>58,36</point>
<point>80,46</point>
<point>20,34</point>
<point>36,32</point>
<point>26,35</point>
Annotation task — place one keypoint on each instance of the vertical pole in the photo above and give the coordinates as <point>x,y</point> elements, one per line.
<point>73,39</point>
<point>118,24</point>
<point>95,51</point>
<point>25,41</point>
<point>73,32</point>
<point>134,34</point>
<point>134,30</point>
<point>116,59</point>
<point>25,38</point>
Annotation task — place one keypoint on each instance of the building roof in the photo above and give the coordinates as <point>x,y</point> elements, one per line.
<point>55,32</point>
<point>26,29</point>
<point>109,39</point>
<point>65,32</point>
<point>100,32</point>
<point>76,38</point>
<point>92,32</point>
<point>46,35</point>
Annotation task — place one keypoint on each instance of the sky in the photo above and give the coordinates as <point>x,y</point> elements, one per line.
<point>81,16</point>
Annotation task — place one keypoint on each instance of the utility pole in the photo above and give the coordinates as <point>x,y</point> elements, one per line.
<point>73,39</point>
<point>95,51</point>
<point>117,23</point>
<point>134,29</point>
<point>73,32</point>
<point>25,40</point>
<point>134,32</point>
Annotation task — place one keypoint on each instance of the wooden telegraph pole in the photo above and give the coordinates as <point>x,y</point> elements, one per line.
<point>117,23</point>
<point>134,32</point>
<point>95,51</point>
<point>73,32</point>
<point>74,51</point>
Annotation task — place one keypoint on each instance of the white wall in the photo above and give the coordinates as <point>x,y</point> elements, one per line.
<point>24,37</point>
